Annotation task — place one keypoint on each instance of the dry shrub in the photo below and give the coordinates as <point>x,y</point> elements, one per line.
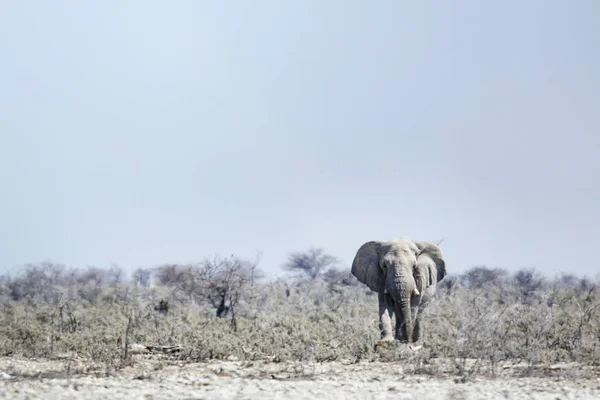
<point>521,320</point>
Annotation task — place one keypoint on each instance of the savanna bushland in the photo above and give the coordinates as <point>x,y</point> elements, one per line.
<point>224,309</point>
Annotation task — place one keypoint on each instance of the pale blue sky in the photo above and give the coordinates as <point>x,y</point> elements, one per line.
<point>145,132</point>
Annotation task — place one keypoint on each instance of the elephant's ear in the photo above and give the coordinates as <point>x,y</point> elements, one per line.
<point>365,266</point>
<point>430,267</point>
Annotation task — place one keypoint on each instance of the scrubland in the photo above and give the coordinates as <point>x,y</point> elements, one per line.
<point>485,324</point>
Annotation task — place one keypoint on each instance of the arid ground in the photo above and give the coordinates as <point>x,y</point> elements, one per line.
<point>155,379</point>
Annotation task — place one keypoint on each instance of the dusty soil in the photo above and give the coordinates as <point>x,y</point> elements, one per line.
<point>160,379</point>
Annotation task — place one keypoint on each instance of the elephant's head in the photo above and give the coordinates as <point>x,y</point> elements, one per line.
<point>401,267</point>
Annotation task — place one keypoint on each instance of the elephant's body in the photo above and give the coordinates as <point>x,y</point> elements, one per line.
<point>404,273</point>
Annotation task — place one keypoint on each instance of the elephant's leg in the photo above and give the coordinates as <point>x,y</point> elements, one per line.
<point>417,329</point>
<point>423,302</point>
<point>386,310</point>
<point>417,314</point>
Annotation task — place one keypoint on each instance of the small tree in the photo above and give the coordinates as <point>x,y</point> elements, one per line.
<point>478,277</point>
<point>90,282</point>
<point>340,276</point>
<point>38,281</point>
<point>226,282</point>
<point>221,283</point>
<point>312,263</point>
<point>141,277</point>
<point>528,282</point>
<point>114,275</point>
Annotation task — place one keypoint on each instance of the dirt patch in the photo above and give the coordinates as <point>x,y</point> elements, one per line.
<point>160,379</point>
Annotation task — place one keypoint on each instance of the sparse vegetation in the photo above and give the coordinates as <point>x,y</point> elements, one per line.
<point>221,308</point>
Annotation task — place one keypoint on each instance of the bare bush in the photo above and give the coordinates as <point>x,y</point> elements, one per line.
<point>515,321</point>
<point>220,283</point>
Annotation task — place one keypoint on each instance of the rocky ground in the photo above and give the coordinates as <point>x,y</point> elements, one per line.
<point>161,379</point>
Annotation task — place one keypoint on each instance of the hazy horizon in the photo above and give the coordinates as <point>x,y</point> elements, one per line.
<point>144,133</point>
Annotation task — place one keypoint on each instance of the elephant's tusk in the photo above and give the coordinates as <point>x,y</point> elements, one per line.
<point>416,292</point>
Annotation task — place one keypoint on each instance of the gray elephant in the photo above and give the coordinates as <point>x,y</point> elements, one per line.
<point>404,273</point>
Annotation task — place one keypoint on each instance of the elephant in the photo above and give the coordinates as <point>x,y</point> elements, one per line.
<point>404,273</point>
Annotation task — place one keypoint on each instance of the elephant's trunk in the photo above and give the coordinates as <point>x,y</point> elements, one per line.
<point>402,288</point>
<point>406,319</point>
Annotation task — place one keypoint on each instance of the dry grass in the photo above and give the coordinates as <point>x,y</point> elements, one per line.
<point>470,329</point>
